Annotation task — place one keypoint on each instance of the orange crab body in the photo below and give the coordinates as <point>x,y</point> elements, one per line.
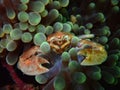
<point>59,41</point>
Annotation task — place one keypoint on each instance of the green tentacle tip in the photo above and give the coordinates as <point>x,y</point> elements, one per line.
<point>54,13</point>
<point>59,18</point>
<point>114,2</point>
<point>105,31</point>
<point>92,5</point>
<point>113,57</point>
<point>65,56</point>
<point>74,41</point>
<point>41,28</point>
<point>23,26</point>
<point>116,9</point>
<point>51,17</point>
<point>100,17</point>
<point>76,28</point>
<point>59,83</point>
<point>79,77</point>
<point>44,13</point>
<point>56,5</point>
<point>66,27</point>
<point>10,13</point>
<point>24,1</point>
<point>37,6</point>
<point>58,26</point>
<point>11,45</point>
<point>23,16</point>
<point>39,38</point>
<point>45,1</point>
<point>34,18</point>
<point>41,79</point>
<point>82,28</point>
<point>49,30</point>
<point>16,34</point>
<point>115,70</point>
<point>26,37</point>
<point>64,3</point>
<point>7,28</point>
<point>11,58</point>
<point>103,40</point>
<point>73,52</point>
<point>31,28</point>
<point>87,31</point>
<point>89,25</point>
<point>115,42</point>
<point>73,65</point>
<point>45,47</point>
<point>96,75</point>
<point>3,43</point>
<point>22,7</point>
<point>108,77</point>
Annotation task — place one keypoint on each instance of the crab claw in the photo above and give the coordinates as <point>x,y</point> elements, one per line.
<point>30,52</point>
<point>31,64</point>
<point>94,53</point>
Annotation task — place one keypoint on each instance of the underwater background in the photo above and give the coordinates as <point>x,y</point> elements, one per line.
<point>28,23</point>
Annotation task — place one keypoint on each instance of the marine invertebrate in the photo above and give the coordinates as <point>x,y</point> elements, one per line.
<point>30,62</point>
<point>62,30</point>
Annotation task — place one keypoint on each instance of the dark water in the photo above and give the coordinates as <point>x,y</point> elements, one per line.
<point>4,77</point>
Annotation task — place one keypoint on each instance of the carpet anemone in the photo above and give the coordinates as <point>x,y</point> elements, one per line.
<point>60,44</point>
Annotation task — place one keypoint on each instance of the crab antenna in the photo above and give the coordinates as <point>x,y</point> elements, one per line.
<point>86,36</point>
